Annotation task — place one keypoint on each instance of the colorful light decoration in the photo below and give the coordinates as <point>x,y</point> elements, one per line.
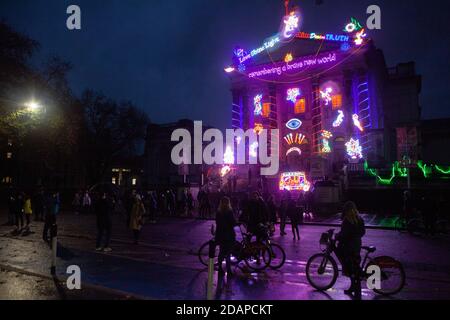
<point>257,102</point>
<point>288,58</point>
<point>326,134</point>
<point>228,156</point>
<point>225,170</point>
<point>253,150</point>
<point>326,95</point>
<point>294,181</point>
<point>339,119</point>
<point>229,69</point>
<point>292,95</point>
<point>353,26</point>
<point>298,139</point>
<point>294,149</point>
<point>294,124</point>
<point>354,149</point>
<point>291,25</point>
<point>359,37</point>
<point>258,128</point>
<point>357,123</point>
<point>323,37</point>
<point>326,146</point>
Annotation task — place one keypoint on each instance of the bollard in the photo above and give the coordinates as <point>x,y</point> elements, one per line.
<point>212,255</point>
<point>54,237</point>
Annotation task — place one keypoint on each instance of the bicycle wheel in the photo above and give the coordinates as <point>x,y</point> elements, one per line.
<point>278,256</point>
<point>400,224</point>
<point>415,226</point>
<point>392,277</point>
<point>322,271</point>
<point>203,254</point>
<point>258,256</point>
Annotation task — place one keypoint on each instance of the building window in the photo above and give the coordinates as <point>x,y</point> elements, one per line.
<point>10,142</point>
<point>7,180</point>
<point>114,180</point>
<point>134,181</point>
<point>336,101</point>
<point>9,155</point>
<point>266,110</point>
<point>300,106</point>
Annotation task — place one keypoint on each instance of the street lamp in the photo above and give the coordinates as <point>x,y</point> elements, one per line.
<point>33,106</point>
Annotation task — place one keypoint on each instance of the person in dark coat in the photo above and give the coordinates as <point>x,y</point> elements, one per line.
<point>225,235</point>
<point>273,209</point>
<point>349,246</point>
<point>39,205</point>
<point>294,215</point>
<point>103,210</point>
<point>256,214</point>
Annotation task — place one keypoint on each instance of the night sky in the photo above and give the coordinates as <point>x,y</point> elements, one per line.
<point>168,56</point>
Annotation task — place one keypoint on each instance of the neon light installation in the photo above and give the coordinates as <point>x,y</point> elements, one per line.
<point>253,150</point>
<point>291,25</point>
<point>258,128</point>
<point>294,181</point>
<point>327,134</point>
<point>288,58</point>
<point>229,69</point>
<point>258,104</point>
<point>359,38</point>
<point>357,123</point>
<point>339,119</point>
<point>289,138</point>
<point>326,37</point>
<point>299,139</point>
<point>292,95</point>
<point>225,170</point>
<point>354,149</point>
<point>294,124</point>
<point>353,26</point>
<point>326,95</point>
<point>228,156</point>
<point>294,149</point>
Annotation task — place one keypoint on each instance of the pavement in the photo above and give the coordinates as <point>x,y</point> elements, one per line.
<point>165,266</point>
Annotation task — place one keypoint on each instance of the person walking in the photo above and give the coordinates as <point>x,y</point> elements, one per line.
<point>39,205</point>
<point>348,249</point>
<point>76,203</point>
<point>293,213</point>
<point>225,235</point>
<point>50,216</point>
<point>284,213</point>
<point>28,211</point>
<point>87,202</point>
<point>12,197</point>
<point>18,212</point>
<point>103,210</point>
<point>136,218</point>
<point>273,209</point>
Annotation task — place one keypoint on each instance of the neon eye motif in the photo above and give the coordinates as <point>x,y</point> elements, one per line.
<point>294,124</point>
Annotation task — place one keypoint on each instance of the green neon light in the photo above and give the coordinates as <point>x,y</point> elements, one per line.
<point>442,170</point>
<point>374,173</point>
<point>425,170</point>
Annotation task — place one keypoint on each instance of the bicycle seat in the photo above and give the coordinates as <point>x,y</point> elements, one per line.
<point>370,249</point>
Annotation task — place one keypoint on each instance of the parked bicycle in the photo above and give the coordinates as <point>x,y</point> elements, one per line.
<point>415,225</point>
<point>256,255</point>
<point>322,270</point>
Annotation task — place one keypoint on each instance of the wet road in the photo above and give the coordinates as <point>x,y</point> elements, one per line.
<point>164,265</point>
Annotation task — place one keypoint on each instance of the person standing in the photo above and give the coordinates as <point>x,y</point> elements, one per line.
<point>76,203</point>
<point>284,213</point>
<point>12,198</point>
<point>50,216</point>
<point>103,209</point>
<point>225,235</point>
<point>190,203</point>
<point>18,212</point>
<point>348,249</point>
<point>39,205</point>
<point>27,210</point>
<point>273,218</point>
<point>294,215</point>
<point>136,218</point>
<point>87,202</point>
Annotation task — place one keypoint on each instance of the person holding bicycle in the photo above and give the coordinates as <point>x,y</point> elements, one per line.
<point>225,235</point>
<point>348,249</point>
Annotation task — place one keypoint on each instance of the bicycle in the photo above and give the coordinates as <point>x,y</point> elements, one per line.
<point>256,255</point>
<point>277,252</point>
<point>416,226</point>
<point>322,270</point>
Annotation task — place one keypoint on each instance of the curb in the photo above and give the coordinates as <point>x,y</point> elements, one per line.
<point>85,285</point>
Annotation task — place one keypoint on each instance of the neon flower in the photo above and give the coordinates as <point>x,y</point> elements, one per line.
<point>253,150</point>
<point>354,149</point>
<point>326,95</point>
<point>292,94</point>
<point>294,181</point>
<point>354,25</point>
<point>359,38</point>
<point>288,58</point>
<point>258,104</point>
<point>225,170</point>
<point>229,69</point>
<point>294,149</point>
<point>357,123</point>
<point>339,119</point>
<point>291,25</point>
<point>294,124</point>
<point>289,138</point>
<point>326,134</point>
<point>258,128</point>
<point>228,156</point>
<point>326,146</point>
<point>298,139</point>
